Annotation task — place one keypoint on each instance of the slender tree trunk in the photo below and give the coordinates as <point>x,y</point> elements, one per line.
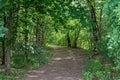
<point>94,25</point>
<point>36,34</point>
<point>100,21</point>
<point>68,39</point>
<point>95,28</point>
<point>9,48</point>
<point>26,33</point>
<point>3,44</point>
<point>3,51</point>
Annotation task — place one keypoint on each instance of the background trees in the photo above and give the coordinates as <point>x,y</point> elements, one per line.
<point>25,26</point>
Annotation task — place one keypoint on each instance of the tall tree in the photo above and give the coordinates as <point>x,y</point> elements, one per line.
<point>3,44</point>
<point>9,36</point>
<point>94,22</point>
<point>26,30</point>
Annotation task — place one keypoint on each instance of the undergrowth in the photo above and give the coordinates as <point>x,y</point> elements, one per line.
<point>96,69</point>
<point>20,65</point>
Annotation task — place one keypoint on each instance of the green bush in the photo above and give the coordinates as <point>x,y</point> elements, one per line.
<point>113,47</point>
<point>94,70</point>
<point>39,57</point>
<point>4,76</point>
<point>93,65</point>
<point>18,60</point>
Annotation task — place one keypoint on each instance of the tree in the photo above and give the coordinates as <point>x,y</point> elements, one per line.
<point>9,36</point>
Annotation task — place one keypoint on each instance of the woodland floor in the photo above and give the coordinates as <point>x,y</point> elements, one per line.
<point>66,64</point>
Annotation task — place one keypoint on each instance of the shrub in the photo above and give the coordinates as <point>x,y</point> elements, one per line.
<point>94,70</point>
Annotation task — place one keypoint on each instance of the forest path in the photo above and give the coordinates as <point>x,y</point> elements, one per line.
<point>66,64</point>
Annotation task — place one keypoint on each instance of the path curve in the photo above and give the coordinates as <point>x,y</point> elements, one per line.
<point>66,64</point>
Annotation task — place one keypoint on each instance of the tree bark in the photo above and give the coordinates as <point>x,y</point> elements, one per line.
<point>9,49</point>
<point>3,51</point>
<point>3,44</point>
<point>26,33</point>
<point>94,25</point>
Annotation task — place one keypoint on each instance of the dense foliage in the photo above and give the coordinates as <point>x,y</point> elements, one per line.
<point>28,26</point>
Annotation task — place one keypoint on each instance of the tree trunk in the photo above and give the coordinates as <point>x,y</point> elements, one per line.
<point>26,33</point>
<point>68,39</point>
<point>95,28</point>
<point>3,51</point>
<point>36,34</point>
<point>94,25</point>
<point>3,44</point>
<point>9,51</point>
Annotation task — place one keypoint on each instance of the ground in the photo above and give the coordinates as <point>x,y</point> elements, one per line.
<point>66,64</point>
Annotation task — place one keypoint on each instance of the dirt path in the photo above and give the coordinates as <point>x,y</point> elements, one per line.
<point>66,64</point>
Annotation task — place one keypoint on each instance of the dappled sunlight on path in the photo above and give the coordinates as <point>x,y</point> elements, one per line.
<point>66,64</point>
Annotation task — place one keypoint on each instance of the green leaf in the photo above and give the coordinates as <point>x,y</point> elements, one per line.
<point>2,30</point>
<point>2,3</point>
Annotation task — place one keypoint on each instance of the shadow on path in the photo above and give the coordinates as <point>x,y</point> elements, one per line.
<point>66,64</point>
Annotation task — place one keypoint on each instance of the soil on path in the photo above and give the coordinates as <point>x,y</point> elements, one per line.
<point>66,64</point>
